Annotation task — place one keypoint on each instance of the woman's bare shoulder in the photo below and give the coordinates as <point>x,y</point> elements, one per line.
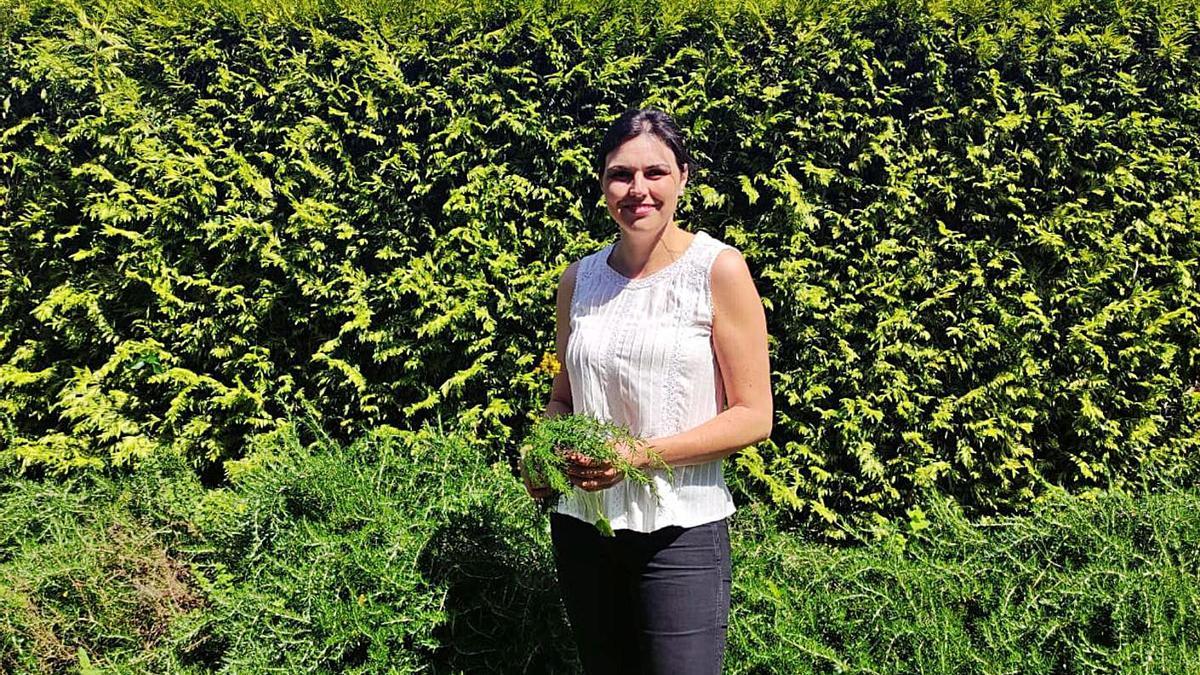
<point>566,282</point>
<point>729,268</point>
<point>567,278</point>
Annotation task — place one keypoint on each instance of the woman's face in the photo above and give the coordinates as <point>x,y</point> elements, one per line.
<point>641,184</point>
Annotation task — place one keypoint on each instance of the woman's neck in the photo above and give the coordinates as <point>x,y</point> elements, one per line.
<point>642,254</point>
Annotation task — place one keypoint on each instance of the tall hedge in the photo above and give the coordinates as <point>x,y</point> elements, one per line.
<point>974,229</point>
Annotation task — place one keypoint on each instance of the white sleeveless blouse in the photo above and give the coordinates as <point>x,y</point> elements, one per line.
<point>640,354</point>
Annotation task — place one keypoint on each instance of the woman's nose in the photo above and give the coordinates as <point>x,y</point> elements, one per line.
<point>638,184</point>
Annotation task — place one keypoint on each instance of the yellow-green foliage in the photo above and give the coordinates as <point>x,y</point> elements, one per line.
<point>974,229</point>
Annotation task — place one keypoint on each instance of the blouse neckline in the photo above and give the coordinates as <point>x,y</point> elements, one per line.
<point>653,276</point>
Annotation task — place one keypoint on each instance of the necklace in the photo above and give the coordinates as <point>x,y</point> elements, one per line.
<point>662,242</point>
<point>674,255</point>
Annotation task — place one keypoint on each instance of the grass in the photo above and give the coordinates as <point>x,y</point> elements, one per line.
<point>80,574</point>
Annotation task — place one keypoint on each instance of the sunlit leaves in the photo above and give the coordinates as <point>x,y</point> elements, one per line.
<point>975,236</point>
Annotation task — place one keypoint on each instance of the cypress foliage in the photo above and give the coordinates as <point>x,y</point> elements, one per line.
<point>974,229</point>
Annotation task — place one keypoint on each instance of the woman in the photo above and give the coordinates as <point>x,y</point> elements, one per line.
<point>663,332</point>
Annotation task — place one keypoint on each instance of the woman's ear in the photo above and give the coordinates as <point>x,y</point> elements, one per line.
<point>683,178</point>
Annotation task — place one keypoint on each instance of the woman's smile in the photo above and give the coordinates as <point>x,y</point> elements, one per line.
<point>640,210</point>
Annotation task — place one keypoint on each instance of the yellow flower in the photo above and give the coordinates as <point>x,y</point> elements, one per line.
<point>549,364</point>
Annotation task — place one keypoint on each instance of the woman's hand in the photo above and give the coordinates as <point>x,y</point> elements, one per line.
<point>593,474</point>
<point>590,474</point>
<point>538,492</point>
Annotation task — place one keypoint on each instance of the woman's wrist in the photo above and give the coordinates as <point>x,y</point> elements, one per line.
<point>640,455</point>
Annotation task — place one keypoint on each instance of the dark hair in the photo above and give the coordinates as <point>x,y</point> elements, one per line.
<point>645,121</point>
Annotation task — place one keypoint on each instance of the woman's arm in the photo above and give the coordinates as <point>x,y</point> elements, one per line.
<point>560,391</point>
<point>740,342</point>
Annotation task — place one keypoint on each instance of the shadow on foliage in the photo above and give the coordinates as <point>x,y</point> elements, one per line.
<point>503,613</point>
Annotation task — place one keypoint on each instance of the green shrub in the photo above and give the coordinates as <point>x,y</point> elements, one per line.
<point>974,228</point>
<point>408,551</point>
<point>402,551</point>
<point>1078,585</point>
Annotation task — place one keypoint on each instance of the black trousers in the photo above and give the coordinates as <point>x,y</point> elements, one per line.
<point>647,603</point>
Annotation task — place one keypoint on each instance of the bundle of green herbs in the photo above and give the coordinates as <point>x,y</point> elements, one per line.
<point>551,438</point>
